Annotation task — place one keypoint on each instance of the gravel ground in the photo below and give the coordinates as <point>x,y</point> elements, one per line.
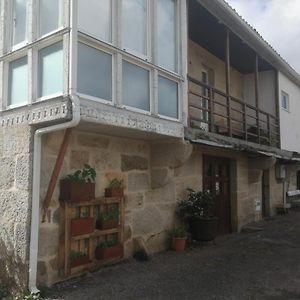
<point>261,264</point>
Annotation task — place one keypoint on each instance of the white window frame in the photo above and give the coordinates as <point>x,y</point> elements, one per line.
<point>100,47</point>
<point>285,94</point>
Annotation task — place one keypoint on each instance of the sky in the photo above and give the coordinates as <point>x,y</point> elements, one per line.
<point>278,21</point>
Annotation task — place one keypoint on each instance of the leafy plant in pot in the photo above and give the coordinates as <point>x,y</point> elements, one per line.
<point>198,210</point>
<point>109,249</point>
<point>115,188</point>
<point>108,219</point>
<point>79,186</point>
<point>78,258</point>
<point>178,236</point>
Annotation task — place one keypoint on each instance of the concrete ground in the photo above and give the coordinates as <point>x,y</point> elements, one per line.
<point>262,264</point>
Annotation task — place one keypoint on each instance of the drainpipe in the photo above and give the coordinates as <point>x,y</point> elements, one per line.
<point>35,206</point>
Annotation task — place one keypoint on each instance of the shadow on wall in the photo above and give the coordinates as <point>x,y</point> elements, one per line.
<point>13,272</point>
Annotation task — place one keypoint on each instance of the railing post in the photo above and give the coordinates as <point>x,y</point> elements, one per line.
<point>245,121</point>
<point>269,129</point>
<point>257,97</point>
<point>211,110</point>
<point>227,73</point>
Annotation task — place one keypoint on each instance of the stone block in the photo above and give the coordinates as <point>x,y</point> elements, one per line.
<point>147,221</point>
<point>138,182</point>
<point>24,172</point>
<point>7,167</point>
<point>157,242</point>
<point>127,233</point>
<point>134,201</point>
<point>191,167</point>
<point>48,245</point>
<point>126,146</point>
<point>162,195</point>
<point>93,140</point>
<point>254,176</point>
<point>133,162</point>
<point>79,159</point>
<point>193,182</point>
<point>170,154</point>
<point>54,264</point>
<point>159,178</point>
<point>105,160</point>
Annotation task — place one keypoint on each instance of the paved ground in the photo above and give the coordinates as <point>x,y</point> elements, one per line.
<point>256,265</point>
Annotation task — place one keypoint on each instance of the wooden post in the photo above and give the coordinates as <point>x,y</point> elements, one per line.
<point>257,97</point>
<point>56,171</point>
<point>227,66</point>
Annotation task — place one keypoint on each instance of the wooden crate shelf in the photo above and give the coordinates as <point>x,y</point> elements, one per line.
<point>86,243</point>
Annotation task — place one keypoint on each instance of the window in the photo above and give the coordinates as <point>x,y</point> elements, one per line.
<point>51,70</point>
<point>94,18</point>
<point>166,35</point>
<point>51,15</point>
<point>167,97</point>
<point>19,22</point>
<point>285,101</point>
<point>94,72</point>
<point>134,26</point>
<point>17,82</point>
<point>136,86</point>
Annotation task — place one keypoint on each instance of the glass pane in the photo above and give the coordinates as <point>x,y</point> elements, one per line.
<point>18,74</point>
<point>166,13</point>
<point>19,21</point>
<point>135,25</point>
<point>167,97</point>
<point>135,86</point>
<point>94,72</point>
<point>94,18</point>
<point>51,70</point>
<point>51,12</point>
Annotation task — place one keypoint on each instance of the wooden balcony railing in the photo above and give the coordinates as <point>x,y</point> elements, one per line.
<point>214,111</point>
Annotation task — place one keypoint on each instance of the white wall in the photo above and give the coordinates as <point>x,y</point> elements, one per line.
<point>290,120</point>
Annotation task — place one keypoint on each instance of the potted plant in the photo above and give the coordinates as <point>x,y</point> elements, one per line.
<point>78,258</point>
<point>108,219</point>
<point>198,210</point>
<point>79,186</point>
<point>109,249</point>
<point>83,224</point>
<point>178,237</point>
<point>115,189</point>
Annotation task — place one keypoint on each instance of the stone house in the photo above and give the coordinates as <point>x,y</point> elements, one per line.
<point>163,94</point>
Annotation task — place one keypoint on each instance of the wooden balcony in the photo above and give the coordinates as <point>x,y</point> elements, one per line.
<point>215,111</point>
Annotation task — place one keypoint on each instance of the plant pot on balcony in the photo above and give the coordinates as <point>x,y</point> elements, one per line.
<point>109,252</point>
<point>82,226</point>
<point>74,191</point>
<point>79,261</point>
<point>107,224</point>
<point>114,192</point>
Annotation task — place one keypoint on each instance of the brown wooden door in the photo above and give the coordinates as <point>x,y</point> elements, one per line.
<point>216,178</point>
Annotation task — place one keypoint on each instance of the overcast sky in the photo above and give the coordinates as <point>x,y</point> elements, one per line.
<point>278,21</point>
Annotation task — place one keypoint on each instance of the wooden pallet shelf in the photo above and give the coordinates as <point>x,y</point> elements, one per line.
<point>87,243</point>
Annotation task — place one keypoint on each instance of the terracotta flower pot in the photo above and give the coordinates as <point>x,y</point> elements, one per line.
<point>114,192</point>
<point>82,226</point>
<point>107,224</point>
<point>178,244</point>
<point>109,252</point>
<point>75,191</point>
<point>82,260</point>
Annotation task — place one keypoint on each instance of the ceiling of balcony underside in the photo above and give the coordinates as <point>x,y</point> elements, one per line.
<point>207,31</point>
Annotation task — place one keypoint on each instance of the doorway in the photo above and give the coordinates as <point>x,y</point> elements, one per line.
<point>216,178</point>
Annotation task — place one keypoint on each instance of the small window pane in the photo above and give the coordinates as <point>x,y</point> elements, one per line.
<point>284,100</point>
<point>18,74</point>
<point>167,97</point>
<point>51,70</point>
<point>19,21</point>
<point>94,18</point>
<point>94,72</point>
<point>51,14</point>
<point>166,14</point>
<point>135,25</point>
<point>135,86</point>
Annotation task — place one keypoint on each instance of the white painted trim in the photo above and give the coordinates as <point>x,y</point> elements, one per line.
<point>95,99</point>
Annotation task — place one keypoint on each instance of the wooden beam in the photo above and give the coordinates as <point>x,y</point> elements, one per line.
<point>257,97</point>
<point>56,171</point>
<point>227,75</point>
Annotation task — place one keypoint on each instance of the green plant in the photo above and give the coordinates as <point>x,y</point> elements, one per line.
<point>87,174</point>
<point>115,184</point>
<point>196,204</point>
<point>31,296</point>
<point>177,232</point>
<point>4,292</point>
<point>108,243</point>
<point>110,214</point>
<point>76,254</point>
